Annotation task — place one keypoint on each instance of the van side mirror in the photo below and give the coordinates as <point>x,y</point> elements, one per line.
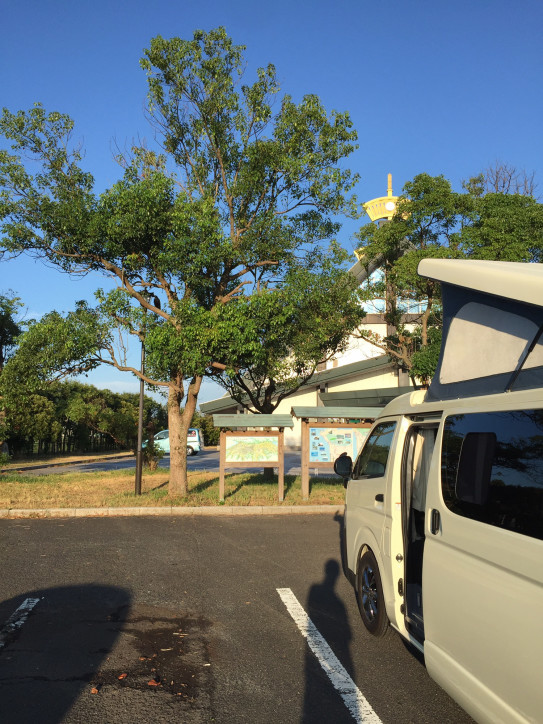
<point>343,466</point>
<point>475,467</point>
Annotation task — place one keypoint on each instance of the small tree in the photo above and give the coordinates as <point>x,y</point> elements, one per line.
<point>306,321</point>
<point>247,186</point>
<point>503,178</point>
<point>10,329</point>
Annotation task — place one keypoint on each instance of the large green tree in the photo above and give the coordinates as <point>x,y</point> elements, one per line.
<point>246,186</point>
<point>433,220</point>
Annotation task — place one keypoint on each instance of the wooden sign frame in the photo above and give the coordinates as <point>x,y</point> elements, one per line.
<point>279,463</point>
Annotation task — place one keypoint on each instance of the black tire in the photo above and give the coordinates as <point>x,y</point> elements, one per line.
<point>369,591</point>
<point>190,451</point>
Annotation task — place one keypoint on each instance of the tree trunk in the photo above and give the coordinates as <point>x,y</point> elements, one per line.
<point>178,425</point>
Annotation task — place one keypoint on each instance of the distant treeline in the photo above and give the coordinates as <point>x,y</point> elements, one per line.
<point>71,417</point>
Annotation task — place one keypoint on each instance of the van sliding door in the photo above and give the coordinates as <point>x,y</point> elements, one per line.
<point>419,447</point>
<point>482,576</point>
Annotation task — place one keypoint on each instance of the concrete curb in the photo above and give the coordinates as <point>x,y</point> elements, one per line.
<point>216,510</point>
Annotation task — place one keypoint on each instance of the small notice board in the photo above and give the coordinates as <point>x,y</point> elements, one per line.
<point>263,448</point>
<point>252,449</point>
<point>324,438</point>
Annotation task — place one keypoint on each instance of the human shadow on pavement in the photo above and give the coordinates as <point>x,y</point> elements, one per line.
<point>327,611</point>
<point>58,651</point>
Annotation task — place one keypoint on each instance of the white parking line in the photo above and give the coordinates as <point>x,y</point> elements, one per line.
<point>353,698</point>
<point>16,620</point>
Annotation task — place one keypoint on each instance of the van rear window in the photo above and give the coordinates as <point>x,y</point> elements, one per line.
<point>492,469</point>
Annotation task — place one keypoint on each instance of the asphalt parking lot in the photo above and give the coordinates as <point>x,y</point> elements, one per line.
<point>186,619</point>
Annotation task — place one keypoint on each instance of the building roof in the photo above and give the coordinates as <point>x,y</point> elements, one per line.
<point>336,373</point>
<point>244,421</point>
<point>354,368</point>
<point>363,398</point>
<point>325,413</point>
<point>222,403</point>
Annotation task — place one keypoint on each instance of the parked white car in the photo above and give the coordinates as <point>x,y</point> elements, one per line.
<point>194,443</point>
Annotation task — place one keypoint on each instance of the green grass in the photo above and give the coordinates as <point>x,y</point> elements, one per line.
<point>116,489</point>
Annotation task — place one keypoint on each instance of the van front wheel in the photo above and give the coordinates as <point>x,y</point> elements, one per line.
<point>190,450</point>
<point>369,591</point>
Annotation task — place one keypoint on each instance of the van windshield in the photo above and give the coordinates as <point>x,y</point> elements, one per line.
<point>373,457</point>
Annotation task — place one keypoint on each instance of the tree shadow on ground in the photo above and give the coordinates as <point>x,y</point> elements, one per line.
<point>204,485</point>
<point>46,663</point>
<point>259,479</point>
<point>332,480</point>
<point>160,487</point>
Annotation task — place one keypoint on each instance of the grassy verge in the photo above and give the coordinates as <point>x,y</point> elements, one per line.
<point>116,489</point>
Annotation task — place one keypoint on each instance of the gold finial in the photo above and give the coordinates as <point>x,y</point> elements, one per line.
<point>384,207</point>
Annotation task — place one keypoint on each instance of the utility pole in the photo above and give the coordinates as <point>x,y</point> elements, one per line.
<point>139,451</point>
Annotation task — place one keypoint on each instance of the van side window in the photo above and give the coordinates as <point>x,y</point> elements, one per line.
<point>373,457</point>
<point>492,469</point>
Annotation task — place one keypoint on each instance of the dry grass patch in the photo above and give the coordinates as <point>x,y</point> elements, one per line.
<point>116,489</point>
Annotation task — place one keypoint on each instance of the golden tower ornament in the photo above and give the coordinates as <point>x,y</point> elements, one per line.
<point>384,207</point>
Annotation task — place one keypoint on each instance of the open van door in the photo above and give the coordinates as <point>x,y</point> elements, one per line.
<point>483,564</point>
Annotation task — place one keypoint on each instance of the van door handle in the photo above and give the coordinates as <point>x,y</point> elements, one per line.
<point>435,521</point>
<point>380,498</point>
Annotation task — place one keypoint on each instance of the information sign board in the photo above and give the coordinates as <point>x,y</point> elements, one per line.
<point>252,449</point>
<point>326,444</point>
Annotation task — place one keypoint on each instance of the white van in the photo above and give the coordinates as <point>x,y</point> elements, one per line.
<point>443,533</point>
<point>194,445</point>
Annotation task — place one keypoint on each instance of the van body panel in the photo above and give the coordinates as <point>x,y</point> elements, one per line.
<point>482,585</point>
<point>481,703</point>
<point>483,604</point>
<point>482,622</point>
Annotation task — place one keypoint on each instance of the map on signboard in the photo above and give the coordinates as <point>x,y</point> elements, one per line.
<point>252,449</point>
<point>326,444</point>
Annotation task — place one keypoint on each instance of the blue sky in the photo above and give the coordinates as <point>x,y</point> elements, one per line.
<point>438,87</point>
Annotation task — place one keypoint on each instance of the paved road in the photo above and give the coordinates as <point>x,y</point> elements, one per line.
<point>179,620</point>
<point>204,460</point>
